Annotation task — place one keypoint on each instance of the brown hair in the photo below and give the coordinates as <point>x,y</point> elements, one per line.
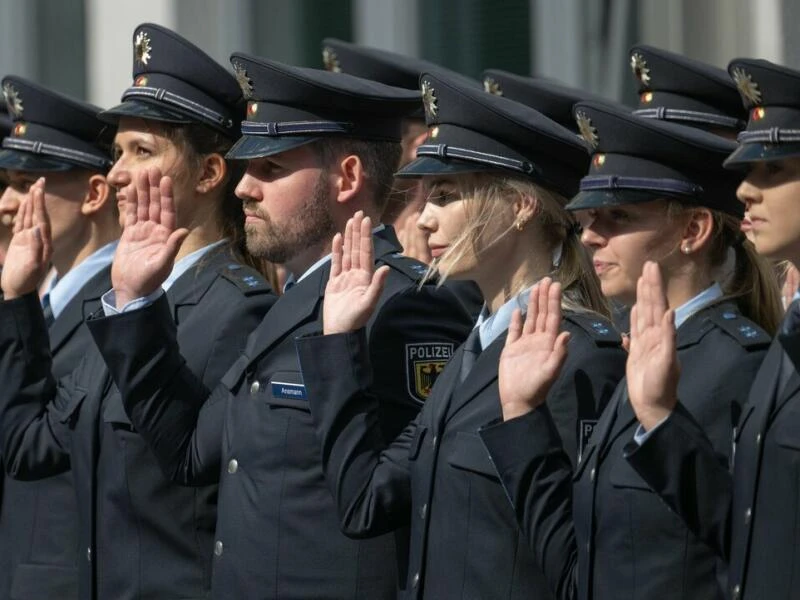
<point>752,284</point>
<point>489,197</point>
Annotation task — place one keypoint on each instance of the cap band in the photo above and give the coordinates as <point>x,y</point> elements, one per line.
<point>277,128</point>
<point>495,160</point>
<point>773,135</point>
<point>163,95</point>
<point>678,114</point>
<point>75,156</point>
<point>613,182</point>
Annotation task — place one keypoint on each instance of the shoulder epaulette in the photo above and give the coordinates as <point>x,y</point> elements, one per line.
<point>410,267</point>
<point>740,328</point>
<point>597,327</point>
<point>247,279</point>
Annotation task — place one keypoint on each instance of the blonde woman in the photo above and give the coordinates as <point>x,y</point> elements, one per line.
<point>498,174</point>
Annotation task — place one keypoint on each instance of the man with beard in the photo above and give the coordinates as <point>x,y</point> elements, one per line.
<point>320,147</point>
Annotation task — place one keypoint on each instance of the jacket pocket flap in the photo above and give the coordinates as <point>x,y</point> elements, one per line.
<point>624,476</point>
<point>469,453</point>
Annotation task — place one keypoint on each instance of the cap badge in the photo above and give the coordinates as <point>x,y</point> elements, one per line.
<point>244,81</point>
<point>599,160</point>
<point>433,133</point>
<point>330,60</point>
<point>747,87</point>
<point>758,113</point>
<point>140,81</point>
<point>492,86</point>
<point>640,68</point>
<point>142,48</point>
<point>252,108</point>
<point>646,98</point>
<point>587,130</point>
<point>429,100</point>
<point>13,101</point>
<point>20,129</point>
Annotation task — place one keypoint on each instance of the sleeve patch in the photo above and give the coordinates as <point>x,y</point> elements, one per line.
<point>744,331</point>
<point>598,328</point>
<point>248,280</point>
<point>425,361</point>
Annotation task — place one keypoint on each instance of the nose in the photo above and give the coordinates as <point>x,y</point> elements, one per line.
<point>9,205</point>
<point>748,194</point>
<point>248,188</point>
<point>119,176</point>
<point>428,220</point>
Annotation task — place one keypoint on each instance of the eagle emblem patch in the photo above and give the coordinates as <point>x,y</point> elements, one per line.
<point>424,363</point>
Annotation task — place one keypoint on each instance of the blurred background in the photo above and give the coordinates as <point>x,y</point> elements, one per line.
<point>84,47</point>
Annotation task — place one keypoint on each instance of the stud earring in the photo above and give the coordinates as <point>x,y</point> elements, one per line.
<point>686,249</point>
<point>520,225</point>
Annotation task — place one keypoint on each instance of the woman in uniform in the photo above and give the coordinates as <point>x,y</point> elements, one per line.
<point>141,535</point>
<point>498,174</point>
<point>655,192</point>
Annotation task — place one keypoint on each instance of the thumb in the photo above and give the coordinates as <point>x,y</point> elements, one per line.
<point>173,243</point>
<point>626,342</point>
<point>376,285</point>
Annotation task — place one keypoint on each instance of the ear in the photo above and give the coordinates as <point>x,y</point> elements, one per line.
<point>212,173</point>
<point>98,195</point>
<point>525,207</point>
<point>350,178</point>
<point>698,230</point>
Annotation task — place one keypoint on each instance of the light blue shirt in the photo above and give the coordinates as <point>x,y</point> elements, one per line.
<point>682,313</point>
<point>492,326</point>
<point>63,289</point>
<point>178,269</point>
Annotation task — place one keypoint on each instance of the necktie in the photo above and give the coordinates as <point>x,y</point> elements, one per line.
<point>47,310</point>
<point>472,349</point>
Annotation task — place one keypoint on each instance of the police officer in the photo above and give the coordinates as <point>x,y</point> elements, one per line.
<point>320,146</point>
<point>749,515</point>
<point>7,212</point>
<point>655,191</point>
<point>62,140</point>
<point>140,534</point>
<point>499,174</point>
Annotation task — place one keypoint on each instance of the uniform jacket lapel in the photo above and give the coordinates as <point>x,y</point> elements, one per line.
<point>483,374</point>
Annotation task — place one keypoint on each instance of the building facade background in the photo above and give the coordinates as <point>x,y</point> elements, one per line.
<point>83,47</point>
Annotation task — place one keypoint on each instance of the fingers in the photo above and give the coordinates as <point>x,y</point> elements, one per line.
<point>553,316</point>
<point>634,333</point>
<point>355,249</point>
<point>27,214</point>
<point>142,196</point>
<point>533,311</point>
<point>169,216</point>
<point>154,184</point>
<point>131,214</point>
<point>336,255</point>
<point>543,293</point>
<point>515,327</point>
<point>347,245</point>
<point>20,222</point>
<point>366,250</point>
<point>41,221</point>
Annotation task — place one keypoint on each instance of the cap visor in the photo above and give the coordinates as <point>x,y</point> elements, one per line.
<point>601,198</point>
<point>755,152</point>
<point>16,160</point>
<point>427,165</point>
<point>259,146</point>
<point>142,110</point>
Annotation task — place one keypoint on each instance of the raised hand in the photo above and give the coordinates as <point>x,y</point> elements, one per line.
<point>30,249</point>
<point>652,369</point>
<point>354,285</point>
<point>150,239</point>
<point>534,352</point>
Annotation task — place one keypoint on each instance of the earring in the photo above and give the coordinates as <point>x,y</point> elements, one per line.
<point>686,249</point>
<point>520,225</point>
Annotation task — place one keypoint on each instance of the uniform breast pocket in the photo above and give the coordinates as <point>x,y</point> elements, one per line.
<point>622,475</point>
<point>467,453</point>
<point>287,392</point>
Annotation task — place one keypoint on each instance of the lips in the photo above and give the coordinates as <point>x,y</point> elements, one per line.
<point>437,251</point>
<point>601,266</point>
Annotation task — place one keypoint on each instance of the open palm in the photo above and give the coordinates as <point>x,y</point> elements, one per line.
<point>354,286</point>
<point>652,369</point>
<point>534,352</point>
<point>30,249</point>
<point>150,240</point>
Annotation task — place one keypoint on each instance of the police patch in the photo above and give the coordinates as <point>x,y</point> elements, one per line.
<point>424,362</point>
<point>586,428</point>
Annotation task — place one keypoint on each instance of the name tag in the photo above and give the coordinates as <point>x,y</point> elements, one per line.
<point>289,391</point>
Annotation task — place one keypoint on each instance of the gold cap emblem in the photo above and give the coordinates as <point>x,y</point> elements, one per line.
<point>747,87</point>
<point>20,129</point>
<point>142,48</point>
<point>492,86</point>
<point>587,130</point>
<point>640,68</point>
<point>13,100</point>
<point>330,60</point>
<point>429,100</point>
<point>244,81</point>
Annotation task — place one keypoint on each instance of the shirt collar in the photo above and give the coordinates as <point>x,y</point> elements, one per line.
<point>703,299</point>
<point>63,289</point>
<point>188,261</point>
<point>492,325</point>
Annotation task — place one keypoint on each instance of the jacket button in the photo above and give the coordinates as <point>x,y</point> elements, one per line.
<point>254,387</point>
<point>89,554</point>
<point>434,441</point>
<point>592,474</point>
<point>233,466</point>
<point>218,548</point>
<point>758,440</point>
<point>737,592</point>
<point>423,511</point>
<point>747,516</point>
<point>415,580</point>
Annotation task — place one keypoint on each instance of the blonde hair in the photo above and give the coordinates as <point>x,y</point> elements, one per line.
<point>489,200</point>
<point>752,284</point>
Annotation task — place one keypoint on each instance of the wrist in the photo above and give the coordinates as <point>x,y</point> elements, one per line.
<point>653,415</point>
<point>513,410</point>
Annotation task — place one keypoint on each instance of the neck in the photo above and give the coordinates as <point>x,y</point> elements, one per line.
<point>98,236</point>
<point>498,284</point>
<point>302,262</point>
<point>682,288</point>
<point>199,237</point>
